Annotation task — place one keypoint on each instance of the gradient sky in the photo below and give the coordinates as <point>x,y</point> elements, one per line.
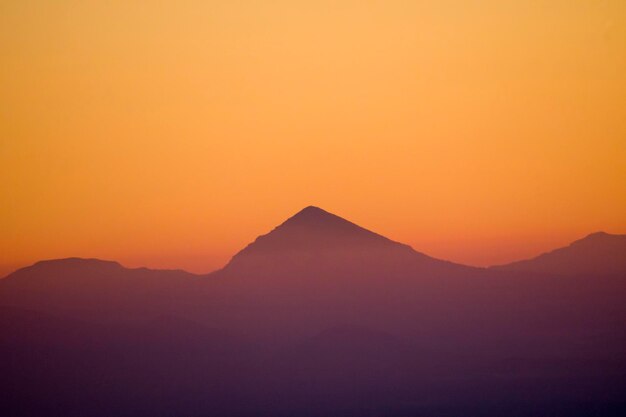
<point>170,134</point>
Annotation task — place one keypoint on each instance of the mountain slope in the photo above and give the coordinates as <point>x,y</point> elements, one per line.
<point>308,296</point>
<point>316,271</point>
<point>315,242</point>
<point>94,287</point>
<point>596,254</point>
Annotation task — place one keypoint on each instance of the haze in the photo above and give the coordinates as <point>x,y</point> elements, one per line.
<point>169,135</point>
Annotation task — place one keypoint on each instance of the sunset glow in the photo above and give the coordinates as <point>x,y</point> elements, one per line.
<point>171,136</point>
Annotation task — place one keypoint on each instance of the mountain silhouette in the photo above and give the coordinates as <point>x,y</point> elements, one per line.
<point>313,229</point>
<point>315,242</point>
<point>94,287</point>
<point>267,334</point>
<point>596,254</point>
<point>317,270</point>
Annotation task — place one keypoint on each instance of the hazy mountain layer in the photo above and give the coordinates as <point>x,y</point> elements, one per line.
<point>320,316</point>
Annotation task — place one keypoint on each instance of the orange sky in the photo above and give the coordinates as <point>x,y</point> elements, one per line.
<point>170,134</point>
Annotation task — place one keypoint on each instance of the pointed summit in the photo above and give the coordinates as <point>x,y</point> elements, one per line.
<point>313,223</point>
<point>313,228</point>
<point>315,216</point>
<point>312,211</point>
<point>314,241</point>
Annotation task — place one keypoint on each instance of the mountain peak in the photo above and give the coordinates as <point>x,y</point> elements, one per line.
<point>599,240</point>
<point>314,242</point>
<point>77,262</point>
<point>314,233</point>
<point>312,214</point>
<point>314,227</point>
<point>596,235</point>
<point>312,217</point>
<point>311,210</point>
<point>596,253</point>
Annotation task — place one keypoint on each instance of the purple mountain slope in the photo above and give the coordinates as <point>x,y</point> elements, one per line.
<point>316,316</point>
<point>95,287</point>
<point>316,242</point>
<point>596,254</point>
<point>318,270</point>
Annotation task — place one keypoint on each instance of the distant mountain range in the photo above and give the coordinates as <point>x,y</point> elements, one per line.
<point>315,237</point>
<point>314,257</point>
<point>316,316</point>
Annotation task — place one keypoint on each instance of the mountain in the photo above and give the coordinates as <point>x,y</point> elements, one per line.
<point>317,270</point>
<point>317,243</point>
<point>319,317</point>
<point>596,254</point>
<point>93,287</point>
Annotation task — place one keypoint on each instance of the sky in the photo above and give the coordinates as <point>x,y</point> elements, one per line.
<point>170,134</point>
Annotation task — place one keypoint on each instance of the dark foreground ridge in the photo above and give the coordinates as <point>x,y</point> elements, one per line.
<point>320,317</point>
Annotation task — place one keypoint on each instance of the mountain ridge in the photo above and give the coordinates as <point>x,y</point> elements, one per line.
<point>314,229</point>
<point>318,310</point>
<point>597,252</point>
